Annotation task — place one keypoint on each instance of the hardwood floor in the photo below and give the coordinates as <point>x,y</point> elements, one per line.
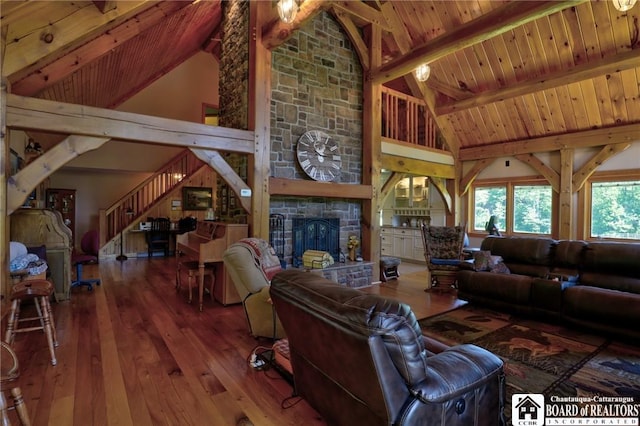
<point>133,352</point>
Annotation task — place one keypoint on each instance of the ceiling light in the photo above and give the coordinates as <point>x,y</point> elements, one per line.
<point>423,72</point>
<point>624,5</point>
<point>287,10</point>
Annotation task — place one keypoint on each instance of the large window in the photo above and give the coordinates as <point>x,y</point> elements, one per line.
<point>521,208</point>
<point>490,201</point>
<point>532,209</point>
<point>615,209</point>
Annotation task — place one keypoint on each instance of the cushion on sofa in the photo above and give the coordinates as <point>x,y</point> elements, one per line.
<point>522,255</point>
<point>607,306</point>
<point>567,260</point>
<point>613,258</point>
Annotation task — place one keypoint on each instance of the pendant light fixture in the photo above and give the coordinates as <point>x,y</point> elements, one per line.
<point>287,10</point>
<point>423,72</point>
<point>624,5</point>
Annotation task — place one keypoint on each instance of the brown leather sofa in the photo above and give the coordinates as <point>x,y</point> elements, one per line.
<point>360,359</point>
<point>595,285</point>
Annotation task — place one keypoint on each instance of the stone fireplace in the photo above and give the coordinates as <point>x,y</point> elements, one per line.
<point>315,233</point>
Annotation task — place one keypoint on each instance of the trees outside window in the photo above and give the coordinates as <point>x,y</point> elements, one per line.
<point>490,201</point>
<point>524,208</point>
<point>532,209</point>
<point>615,210</point>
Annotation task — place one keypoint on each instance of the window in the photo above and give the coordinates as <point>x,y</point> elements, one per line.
<point>490,201</point>
<point>532,209</point>
<point>615,209</point>
<point>523,207</point>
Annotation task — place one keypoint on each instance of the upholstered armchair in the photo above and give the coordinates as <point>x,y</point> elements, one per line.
<point>443,253</point>
<point>251,263</point>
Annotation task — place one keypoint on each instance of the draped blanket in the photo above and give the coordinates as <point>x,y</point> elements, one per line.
<point>264,256</point>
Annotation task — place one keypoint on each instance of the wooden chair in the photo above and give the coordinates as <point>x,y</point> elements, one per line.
<point>191,267</point>
<point>9,374</point>
<point>159,236</point>
<point>39,291</point>
<point>443,252</point>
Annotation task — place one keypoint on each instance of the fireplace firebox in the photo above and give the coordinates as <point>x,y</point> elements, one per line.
<point>315,234</point>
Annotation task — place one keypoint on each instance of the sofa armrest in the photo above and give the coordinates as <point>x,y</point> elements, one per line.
<point>456,371</point>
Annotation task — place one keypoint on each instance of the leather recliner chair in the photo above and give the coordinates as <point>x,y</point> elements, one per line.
<point>361,359</point>
<point>251,262</point>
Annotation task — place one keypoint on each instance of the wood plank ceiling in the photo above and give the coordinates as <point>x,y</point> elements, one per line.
<point>556,73</point>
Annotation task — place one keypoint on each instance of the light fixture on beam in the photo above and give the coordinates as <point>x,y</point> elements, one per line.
<point>624,5</point>
<point>287,10</point>
<point>423,72</point>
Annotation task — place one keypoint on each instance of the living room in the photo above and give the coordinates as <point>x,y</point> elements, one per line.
<point>196,73</point>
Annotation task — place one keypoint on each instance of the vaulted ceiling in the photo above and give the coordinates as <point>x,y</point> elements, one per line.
<point>551,74</point>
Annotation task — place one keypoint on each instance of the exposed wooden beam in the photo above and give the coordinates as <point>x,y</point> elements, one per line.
<point>494,23</point>
<point>402,38</point>
<point>277,32</point>
<point>417,167</point>
<point>353,32</point>
<point>390,185</point>
<point>307,188</point>
<point>105,5</point>
<point>467,179</point>
<point>549,174</point>
<point>76,23</point>
<point>608,151</point>
<point>364,12</point>
<point>565,215</point>
<point>57,117</point>
<point>608,65</point>
<point>226,172</point>
<point>25,181</point>
<point>585,139</point>
<point>441,186</point>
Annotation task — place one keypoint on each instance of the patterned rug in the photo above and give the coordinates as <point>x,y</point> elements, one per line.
<point>543,358</point>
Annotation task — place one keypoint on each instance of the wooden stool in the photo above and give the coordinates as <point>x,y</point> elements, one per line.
<point>9,373</point>
<point>389,268</point>
<point>192,269</point>
<point>39,291</point>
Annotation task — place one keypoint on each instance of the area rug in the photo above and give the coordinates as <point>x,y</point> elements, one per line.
<point>542,358</point>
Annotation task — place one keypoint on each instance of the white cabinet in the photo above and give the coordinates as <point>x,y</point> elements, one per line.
<point>405,243</point>
<point>386,241</point>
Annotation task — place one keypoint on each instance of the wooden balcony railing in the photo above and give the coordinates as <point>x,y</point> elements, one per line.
<point>140,199</point>
<point>407,119</point>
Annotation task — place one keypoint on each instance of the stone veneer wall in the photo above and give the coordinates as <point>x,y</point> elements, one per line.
<point>317,84</point>
<point>234,98</point>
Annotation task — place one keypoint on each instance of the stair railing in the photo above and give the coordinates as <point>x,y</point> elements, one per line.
<point>140,199</point>
<point>407,119</point>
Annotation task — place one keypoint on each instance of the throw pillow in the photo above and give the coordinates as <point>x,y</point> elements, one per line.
<point>481,260</point>
<point>500,268</point>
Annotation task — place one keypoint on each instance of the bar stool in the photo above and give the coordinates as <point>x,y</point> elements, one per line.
<point>39,291</point>
<point>9,373</point>
<point>191,266</point>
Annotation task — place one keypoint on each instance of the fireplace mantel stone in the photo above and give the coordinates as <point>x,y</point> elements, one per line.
<point>349,274</point>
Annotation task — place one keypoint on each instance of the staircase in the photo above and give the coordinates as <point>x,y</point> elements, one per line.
<point>139,200</point>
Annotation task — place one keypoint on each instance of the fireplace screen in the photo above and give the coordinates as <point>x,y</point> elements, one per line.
<point>315,234</point>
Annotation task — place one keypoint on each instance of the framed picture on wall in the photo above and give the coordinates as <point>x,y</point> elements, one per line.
<point>196,198</point>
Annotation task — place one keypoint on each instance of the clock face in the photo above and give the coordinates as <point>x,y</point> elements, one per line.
<point>319,156</point>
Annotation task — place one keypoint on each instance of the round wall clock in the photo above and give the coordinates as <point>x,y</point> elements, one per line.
<point>319,156</point>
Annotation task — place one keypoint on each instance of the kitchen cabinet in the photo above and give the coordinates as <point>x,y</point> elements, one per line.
<point>405,243</point>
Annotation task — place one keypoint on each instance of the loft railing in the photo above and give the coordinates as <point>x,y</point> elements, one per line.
<point>140,199</point>
<point>407,119</point>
